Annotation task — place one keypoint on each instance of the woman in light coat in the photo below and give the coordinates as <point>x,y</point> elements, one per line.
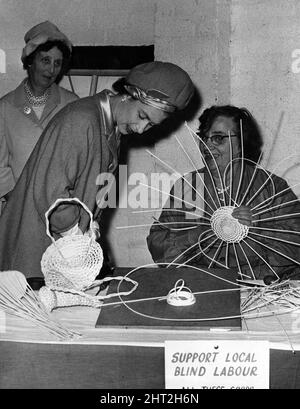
<point>25,111</point>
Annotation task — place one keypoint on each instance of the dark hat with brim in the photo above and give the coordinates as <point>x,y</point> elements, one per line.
<point>164,81</point>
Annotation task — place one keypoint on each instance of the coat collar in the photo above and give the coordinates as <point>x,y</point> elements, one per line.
<point>108,130</point>
<point>108,126</point>
<point>104,103</point>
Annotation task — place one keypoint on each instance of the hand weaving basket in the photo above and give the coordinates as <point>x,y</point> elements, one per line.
<point>72,261</point>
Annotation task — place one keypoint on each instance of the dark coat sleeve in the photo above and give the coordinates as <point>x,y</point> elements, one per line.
<point>174,238</point>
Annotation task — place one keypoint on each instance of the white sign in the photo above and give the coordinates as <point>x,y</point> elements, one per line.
<point>217,364</point>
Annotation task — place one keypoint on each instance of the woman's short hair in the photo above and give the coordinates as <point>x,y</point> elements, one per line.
<point>119,86</point>
<point>252,140</point>
<point>46,47</point>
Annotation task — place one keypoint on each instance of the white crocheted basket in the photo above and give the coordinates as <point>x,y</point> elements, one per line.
<point>72,261</point>
<point>53,297</point>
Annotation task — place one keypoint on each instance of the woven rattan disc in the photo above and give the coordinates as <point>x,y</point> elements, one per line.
<point>226,227</point>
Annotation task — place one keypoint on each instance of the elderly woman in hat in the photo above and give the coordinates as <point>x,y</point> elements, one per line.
<point>80,144</point>
<point>231,213</point>
<point>25,112</point>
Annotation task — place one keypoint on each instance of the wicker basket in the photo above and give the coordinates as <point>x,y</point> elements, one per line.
<point>72,261</point>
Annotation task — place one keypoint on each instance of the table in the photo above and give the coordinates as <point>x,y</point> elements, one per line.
<point>126,358</point>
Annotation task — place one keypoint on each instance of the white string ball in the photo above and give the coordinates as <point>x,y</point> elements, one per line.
<point>226,227</point>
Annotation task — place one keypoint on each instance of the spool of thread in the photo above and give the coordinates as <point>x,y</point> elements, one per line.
<point>180,296</point>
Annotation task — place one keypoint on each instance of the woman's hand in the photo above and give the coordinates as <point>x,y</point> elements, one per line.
<point>94,231</point>
<point>74,231</point>
<point>243,214</point>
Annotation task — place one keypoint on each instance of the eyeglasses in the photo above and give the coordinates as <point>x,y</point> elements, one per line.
<point>216,139</point>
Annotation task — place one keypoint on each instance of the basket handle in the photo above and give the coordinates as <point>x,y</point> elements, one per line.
<point>61,200</point>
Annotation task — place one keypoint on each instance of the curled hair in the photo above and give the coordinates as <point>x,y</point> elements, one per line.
<point>120,86</point>
<point>252,140</point>
<point>46,47</point>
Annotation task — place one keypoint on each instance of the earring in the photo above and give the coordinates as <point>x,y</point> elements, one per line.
<point>125,98</point>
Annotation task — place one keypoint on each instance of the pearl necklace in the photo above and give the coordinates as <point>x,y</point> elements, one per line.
<point>32,99</point>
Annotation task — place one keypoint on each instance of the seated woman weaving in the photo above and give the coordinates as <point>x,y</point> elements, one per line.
<point>231,213</point>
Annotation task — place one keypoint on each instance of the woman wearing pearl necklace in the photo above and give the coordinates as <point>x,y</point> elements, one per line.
<point>25,112</point>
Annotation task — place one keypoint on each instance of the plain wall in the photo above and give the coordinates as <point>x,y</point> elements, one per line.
<point>265,76</point>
